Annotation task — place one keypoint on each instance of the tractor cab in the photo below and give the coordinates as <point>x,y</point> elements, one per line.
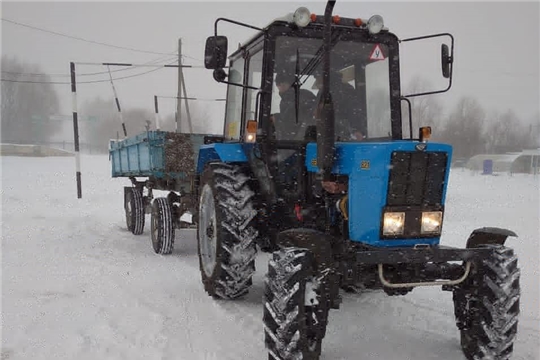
<point>364,79</point>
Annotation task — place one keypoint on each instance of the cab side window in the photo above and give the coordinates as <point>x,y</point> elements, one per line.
<point>255,80</point>
<point>233,114</point>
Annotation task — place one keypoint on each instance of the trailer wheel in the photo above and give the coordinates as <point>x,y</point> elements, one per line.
<point>295,312</point>
<point>225,231</point>
<point>162,226</point>
<point>487,306</point>
<point>134,208</point>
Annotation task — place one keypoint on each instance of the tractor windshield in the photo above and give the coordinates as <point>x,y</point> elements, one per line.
<point>359,83</point>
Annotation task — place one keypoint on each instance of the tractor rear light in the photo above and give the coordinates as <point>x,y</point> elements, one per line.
<point>431,222</point>
<point>393,223</point>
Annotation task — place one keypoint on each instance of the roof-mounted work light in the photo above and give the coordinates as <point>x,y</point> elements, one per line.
<point>302,17</point>
<point>375,24</point>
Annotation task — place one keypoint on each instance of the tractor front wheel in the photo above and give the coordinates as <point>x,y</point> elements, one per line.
<point>226,231</point>
<point>295,309</point>
<point>487,306</point>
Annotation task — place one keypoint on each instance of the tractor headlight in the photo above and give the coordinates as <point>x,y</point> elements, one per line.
<point>302,17</point>
<point>393,223</point>
<point>431,222</point>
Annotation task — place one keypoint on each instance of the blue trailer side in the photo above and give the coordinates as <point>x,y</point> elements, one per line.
<point>146,155</point>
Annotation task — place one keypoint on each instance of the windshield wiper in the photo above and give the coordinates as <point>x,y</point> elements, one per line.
<point>308,70</point>
<point>315,61</point>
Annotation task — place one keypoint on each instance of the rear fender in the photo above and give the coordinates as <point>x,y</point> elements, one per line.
<point>489,236</point>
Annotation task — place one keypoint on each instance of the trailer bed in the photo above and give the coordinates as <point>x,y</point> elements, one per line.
<point>158,154</point>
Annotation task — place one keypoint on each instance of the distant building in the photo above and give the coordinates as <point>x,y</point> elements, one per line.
<point>526,161</point>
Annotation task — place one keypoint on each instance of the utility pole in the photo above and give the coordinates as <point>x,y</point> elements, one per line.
<point>180,81</point>
<point>190,126</point>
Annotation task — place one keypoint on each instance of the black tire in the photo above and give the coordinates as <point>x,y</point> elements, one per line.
<point>134,208</point>
<point>293,330</point>
<point>487,306</point>
<point>162,226</point>
<point>226,233</point>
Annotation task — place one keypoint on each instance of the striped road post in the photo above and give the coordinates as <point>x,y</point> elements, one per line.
<point>76,130</point>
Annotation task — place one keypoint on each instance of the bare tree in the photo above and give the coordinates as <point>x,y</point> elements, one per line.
<point>464,128</point>
<point>27,106</point>
<point>108,124</point>
<point>506,133</point>
<point>533,126</point>
<point>426,110</point>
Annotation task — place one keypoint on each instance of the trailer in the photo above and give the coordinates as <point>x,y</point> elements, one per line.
<point>159,160</point>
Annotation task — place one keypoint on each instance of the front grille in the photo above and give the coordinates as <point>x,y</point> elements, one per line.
<point>416,178</point>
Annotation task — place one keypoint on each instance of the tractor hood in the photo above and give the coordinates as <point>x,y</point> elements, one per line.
<point>382,175</point>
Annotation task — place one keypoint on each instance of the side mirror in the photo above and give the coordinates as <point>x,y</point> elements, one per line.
<point>446,61</point>
<point>215,53</point>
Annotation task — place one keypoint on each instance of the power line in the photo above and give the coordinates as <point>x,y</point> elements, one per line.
<point>126,77</point>
<point>163,58</point>
<point>191,57</point>
<point>84,82</point>
<point>82,39</point>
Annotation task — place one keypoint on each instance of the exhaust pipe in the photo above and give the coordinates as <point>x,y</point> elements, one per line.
<point>325,123</point>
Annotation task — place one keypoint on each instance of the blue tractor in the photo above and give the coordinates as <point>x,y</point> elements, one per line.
<point>314,167</point>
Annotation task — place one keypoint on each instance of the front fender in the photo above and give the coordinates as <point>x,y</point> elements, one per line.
<point>223,152</point>
<point>489,236</point>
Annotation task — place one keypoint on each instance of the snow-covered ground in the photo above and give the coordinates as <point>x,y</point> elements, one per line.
<point>77,285</point>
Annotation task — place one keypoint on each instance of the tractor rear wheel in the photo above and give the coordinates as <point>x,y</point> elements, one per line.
<point>295,310</point>
<point>487,306</point>
<point>134,208</point>
<point>226,231</point>
<point>162,226</point>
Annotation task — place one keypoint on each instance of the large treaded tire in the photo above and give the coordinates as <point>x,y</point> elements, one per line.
<point>162,226</point>
<point>292,329</point>
<point>226,231</point>
<point>135,212</point>
<point>487,306</point>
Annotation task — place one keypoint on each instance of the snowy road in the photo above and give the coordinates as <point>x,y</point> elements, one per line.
<point>77,285</point>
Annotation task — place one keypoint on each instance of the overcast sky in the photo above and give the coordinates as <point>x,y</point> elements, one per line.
<point>496,54</point>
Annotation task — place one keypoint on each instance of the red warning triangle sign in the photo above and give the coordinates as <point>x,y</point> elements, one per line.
<point>376,53</point>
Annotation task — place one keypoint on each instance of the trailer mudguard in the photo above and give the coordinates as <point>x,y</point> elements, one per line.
<point>223,152</point>
<point>489,236</point>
